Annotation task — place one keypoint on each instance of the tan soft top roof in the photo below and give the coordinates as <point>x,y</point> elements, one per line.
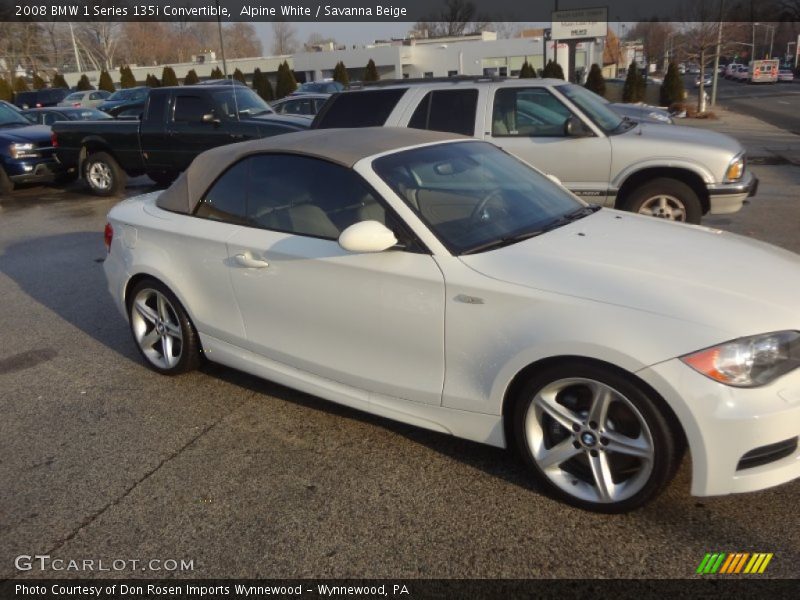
<point>343,146</point>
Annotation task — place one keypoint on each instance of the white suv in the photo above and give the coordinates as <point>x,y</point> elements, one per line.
<point>667,171</point>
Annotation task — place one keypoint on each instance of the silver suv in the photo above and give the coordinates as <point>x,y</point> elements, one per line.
<point>562,129</point>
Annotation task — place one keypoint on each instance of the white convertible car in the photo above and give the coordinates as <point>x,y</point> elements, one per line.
<point>441,282</point>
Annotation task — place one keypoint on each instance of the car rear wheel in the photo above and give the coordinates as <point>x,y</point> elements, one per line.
<point>594,438</point>
<point>666,198</point>
<point>103,174</point>
<point>6,185</point>
<point>161,329</point>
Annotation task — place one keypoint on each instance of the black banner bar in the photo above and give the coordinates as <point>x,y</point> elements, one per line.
<point>740,587</point>
<point>332,11</point>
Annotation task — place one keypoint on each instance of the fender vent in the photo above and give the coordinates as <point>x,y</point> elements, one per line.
<point>767,454</point>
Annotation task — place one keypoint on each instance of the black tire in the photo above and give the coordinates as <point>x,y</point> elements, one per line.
<point>181,360</point>
<point>666,198</point>
<point>163,178</point>
<point>6,185</point>
<point>103,174</point>
<point>634,408</point>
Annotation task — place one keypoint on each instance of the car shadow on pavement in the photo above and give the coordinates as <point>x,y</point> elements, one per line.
<point>65,274</point>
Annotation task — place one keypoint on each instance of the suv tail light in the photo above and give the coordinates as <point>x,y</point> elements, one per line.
<point>108,236</point>
<point>54,139</point>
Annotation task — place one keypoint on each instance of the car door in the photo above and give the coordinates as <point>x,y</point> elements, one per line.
<point>529,122</point>
<point>189,133</point>
<point>371,321</point>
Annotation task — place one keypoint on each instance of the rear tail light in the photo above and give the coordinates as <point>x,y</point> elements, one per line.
<point>76,104</point>
<point>54,139</point>
<point>108,236</point>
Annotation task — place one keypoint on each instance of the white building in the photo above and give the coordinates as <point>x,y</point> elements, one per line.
<point>480,54</point>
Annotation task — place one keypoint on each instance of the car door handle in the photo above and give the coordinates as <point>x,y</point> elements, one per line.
<point>250,262</point>
<point>237,136</point>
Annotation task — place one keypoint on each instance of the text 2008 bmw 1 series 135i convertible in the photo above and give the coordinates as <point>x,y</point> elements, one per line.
<point>439,281</point>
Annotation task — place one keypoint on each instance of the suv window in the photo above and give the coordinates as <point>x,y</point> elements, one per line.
<point>447,110</point>
<point>190,109</point>
<point>292,194</point>
<point>359,109</point>
<point>524,112</point>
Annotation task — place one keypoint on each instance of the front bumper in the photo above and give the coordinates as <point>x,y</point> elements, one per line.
<point>724,424</point>
<point>726,198</point>
<point>41,170</point>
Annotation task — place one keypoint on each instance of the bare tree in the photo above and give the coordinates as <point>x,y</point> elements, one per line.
<point>317,39</point>
<point>458,17</point>
<point>701,36</point>
<point>241,41</point>
<point>284,38</point>
<point>100,40</point>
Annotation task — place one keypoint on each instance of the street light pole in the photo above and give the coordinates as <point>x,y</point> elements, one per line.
<point>221,43</point>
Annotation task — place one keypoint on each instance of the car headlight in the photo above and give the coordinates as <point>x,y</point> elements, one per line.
<point>735,169</point>
<point>660,117</point>
<point>749,361</point>
<point>22,151</point>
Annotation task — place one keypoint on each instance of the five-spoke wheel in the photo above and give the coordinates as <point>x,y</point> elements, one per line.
<point>594,437</point>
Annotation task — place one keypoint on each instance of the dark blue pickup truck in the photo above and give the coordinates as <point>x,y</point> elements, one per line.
<point>26,152</point>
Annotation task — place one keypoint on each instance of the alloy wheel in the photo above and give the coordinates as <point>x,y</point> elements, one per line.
<point>589,440</point>
<point>156,328</point>
<point>664,206</point>
<point>99,175</point>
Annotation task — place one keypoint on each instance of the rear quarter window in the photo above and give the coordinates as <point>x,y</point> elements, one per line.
<point>358,109</point>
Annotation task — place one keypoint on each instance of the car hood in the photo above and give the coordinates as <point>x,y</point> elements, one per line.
<point>680,137</point>
<point>37,134</point>
<point>690,273</point>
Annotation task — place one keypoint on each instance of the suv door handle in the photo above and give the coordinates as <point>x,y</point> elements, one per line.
<point>248,261</point>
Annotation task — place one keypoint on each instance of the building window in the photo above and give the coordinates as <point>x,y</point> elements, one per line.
<point>428,75</point>
<point>452,73</point>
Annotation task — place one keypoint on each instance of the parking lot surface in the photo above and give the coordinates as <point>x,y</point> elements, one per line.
<point>103,459</point>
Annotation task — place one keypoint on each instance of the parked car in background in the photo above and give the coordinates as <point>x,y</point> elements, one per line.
<point>319,87</point>
<point>48,116</point>
<point>128,111</point>
<point>121,98</point>
<point>178,123</point>
<point>86,99</point>
<point>438,281</point>
<point>706,80</point>
<point>731,70</point>
<point>785,75</point>
<point>641,113</point>
<point>26,152</point>
<point>682,69</point>
<point>742,74</point>
<point>37,98</point>
<point>677,173</point>
<point>305,105</point>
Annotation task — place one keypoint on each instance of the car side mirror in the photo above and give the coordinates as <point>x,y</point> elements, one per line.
<point>210,118</point>
<point>367,236</point>
<point>574,127</point>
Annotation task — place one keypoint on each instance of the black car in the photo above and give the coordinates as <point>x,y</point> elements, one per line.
<point>48,116</point>
<point>122,99</point>
<point>37,98</point>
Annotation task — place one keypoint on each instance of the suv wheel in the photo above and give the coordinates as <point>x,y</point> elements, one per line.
<point>666,198</point>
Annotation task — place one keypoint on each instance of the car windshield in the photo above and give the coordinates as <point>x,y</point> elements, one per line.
<point>11,118</point>
<point>475,197</point>
<point>320,87</point>
<point>593,106</point>
<point>240,101</point>
<point>127,95</point>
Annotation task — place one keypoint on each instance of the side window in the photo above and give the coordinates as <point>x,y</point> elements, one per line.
<point>190,109</point>
<point>307,196</point>
<point>447,110</point>
<point>359,109</point>
<point>524,112</point>
<point>156,109</point>
<point>226,199</point>
<point>50,118</point>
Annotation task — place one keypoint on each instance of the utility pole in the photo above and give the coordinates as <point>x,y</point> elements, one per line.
<point>221,43</point>
<point>716,57</point>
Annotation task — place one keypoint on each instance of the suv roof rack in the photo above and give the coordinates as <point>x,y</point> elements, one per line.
<point>422,80</point>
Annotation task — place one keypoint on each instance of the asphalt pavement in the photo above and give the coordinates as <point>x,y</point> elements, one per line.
<point>100,458</point>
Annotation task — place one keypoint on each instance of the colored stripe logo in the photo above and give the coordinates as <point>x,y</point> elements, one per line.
<point>734,563</point>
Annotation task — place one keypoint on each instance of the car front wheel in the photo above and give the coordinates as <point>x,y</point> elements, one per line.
<point>163,333</point>
<point>666,198</point>
<point>594,438</point>
<point>103,174</point>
